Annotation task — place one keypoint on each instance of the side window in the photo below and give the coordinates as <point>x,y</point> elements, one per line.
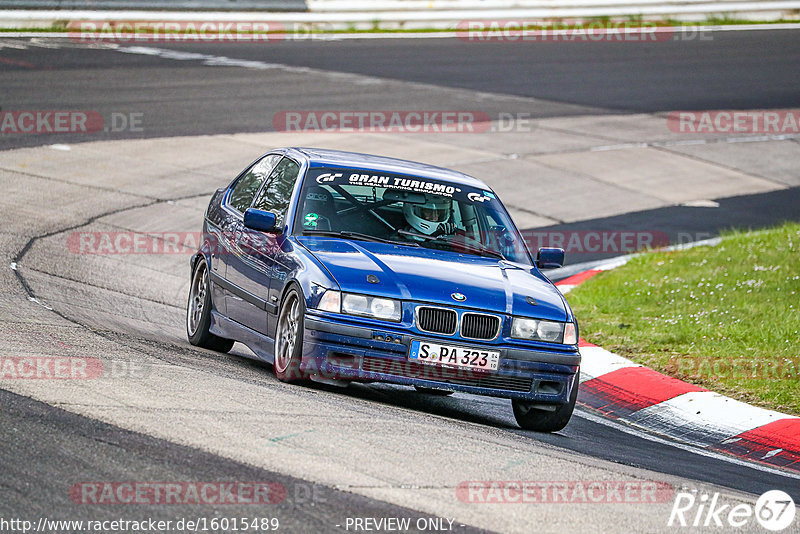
<point>247,185</point>
<point>278,190</point>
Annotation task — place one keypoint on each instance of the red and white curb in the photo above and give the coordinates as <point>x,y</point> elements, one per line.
<point>626,391</point>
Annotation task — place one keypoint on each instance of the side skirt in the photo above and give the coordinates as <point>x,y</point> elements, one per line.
<point>261,345</point>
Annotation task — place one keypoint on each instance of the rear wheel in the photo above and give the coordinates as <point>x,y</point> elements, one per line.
<point>289,337</point>
<point>198,313</point>
<point>530,417</point>
<point>431,391</point>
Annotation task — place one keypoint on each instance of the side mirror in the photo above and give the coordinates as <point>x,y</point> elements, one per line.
<point>263,221</point>
<point>550,258</point>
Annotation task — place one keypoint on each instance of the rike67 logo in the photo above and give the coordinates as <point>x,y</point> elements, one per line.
<point>774,510</point>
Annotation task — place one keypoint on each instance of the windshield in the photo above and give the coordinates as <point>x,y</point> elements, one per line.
<point>365,204</point>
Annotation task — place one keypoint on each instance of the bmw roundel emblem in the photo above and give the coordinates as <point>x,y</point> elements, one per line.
<point>460,297</point>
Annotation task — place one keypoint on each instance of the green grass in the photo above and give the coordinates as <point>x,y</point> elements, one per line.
<point>725,317</point>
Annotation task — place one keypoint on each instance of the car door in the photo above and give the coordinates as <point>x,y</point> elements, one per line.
<point>240,196</point>
<point>256,270</point>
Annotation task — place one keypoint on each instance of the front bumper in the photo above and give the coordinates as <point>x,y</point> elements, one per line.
<point>344,351</point>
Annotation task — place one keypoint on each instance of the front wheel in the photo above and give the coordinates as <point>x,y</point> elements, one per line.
<point>289,337</point>
<point>540,420</point>
<point>198,313</point>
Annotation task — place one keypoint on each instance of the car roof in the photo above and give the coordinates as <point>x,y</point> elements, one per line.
<point>321,157</point>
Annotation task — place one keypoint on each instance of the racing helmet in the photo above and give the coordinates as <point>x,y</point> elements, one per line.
<point>425,218</point>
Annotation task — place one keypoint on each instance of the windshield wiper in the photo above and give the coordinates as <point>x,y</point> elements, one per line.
<point>477,247</point>
<point>359,236</point>
<point>470,247</point>
<point>420,236</point>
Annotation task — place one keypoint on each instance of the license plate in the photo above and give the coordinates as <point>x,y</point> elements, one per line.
<point>453,356</point>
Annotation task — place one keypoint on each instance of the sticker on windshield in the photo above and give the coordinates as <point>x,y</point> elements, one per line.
<point>406,184</point>
<point>477,197</point>
<point>316,196</point>
<point>387,181</point>
<point>328,177</point>
<point>311,220</point>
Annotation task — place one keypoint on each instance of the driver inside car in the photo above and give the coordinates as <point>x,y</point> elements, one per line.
<point>433,218</point>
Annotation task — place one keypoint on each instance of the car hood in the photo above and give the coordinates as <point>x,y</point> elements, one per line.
<point>432,276</point>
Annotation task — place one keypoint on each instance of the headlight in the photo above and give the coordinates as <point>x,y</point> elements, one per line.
<point>331,301</point>
<point>376,307</point>
<point>549,331</point>
<point>570,334</point>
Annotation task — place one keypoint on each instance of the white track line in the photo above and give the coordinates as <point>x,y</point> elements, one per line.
<point>689,448</point>
<point>712,412</point>
<point>709,141</point>
<point>597,361</point>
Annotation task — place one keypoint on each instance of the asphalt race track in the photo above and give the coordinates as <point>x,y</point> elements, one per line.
<point>730,70</point>
<point>599,157</point>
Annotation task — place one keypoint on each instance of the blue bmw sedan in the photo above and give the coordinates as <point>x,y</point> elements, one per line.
<point>339,267</point>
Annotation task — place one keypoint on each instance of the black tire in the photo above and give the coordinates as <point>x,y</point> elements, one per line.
<point>198,313</point>
<point>289,337</point>
<point>540,420</point>
<point>431,391</point>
